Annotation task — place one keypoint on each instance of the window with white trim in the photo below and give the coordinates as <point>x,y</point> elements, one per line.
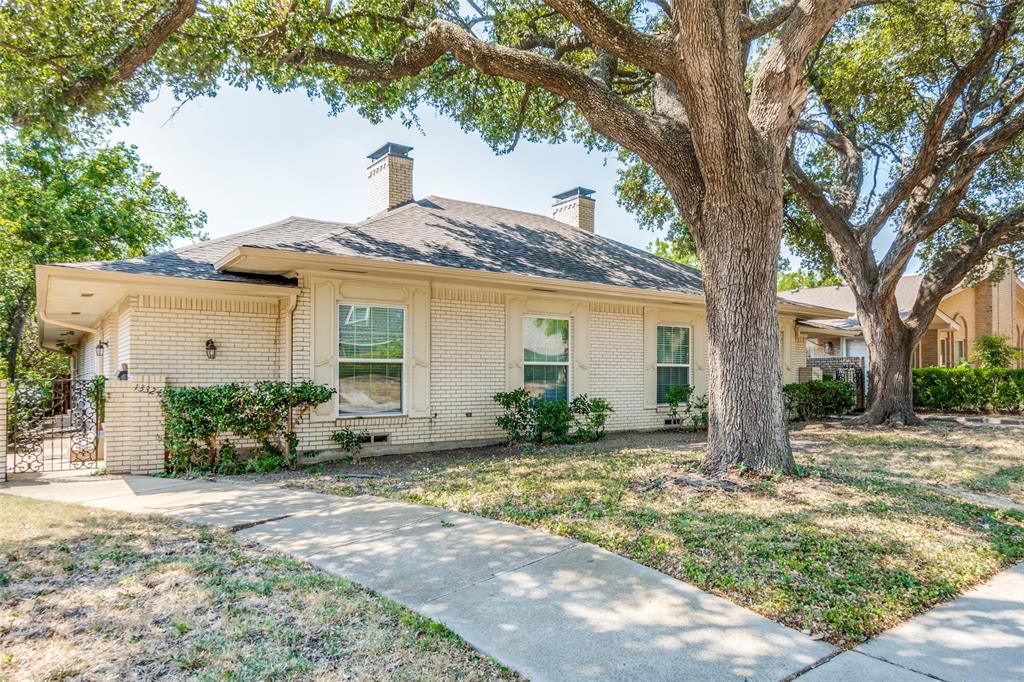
<point>673,364</point>
<point>546,357</point>
<point>371,360</point>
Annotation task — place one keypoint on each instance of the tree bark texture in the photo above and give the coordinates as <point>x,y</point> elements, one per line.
<point>747,424</point>
<point>890,346</point>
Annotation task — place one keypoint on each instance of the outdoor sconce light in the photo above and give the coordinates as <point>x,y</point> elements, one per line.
<point>211,349</point>
<point>101,348</point>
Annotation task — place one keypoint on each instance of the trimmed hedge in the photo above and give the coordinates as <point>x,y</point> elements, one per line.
<point>968,388</point>
<point>820,399</point>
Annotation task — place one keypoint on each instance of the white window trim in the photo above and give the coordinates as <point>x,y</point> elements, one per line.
<point>659,365</point>
<point>403,410</point>
<point>568,362</point>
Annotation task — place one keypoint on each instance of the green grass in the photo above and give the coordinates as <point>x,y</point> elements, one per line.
<point>88,594</point>
<point>845,551</point>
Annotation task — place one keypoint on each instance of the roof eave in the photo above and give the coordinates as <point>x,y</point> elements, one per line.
<point>44,274</point>
<point>296,260</point>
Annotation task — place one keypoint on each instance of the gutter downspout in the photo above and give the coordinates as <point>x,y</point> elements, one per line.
<point>293,300</point>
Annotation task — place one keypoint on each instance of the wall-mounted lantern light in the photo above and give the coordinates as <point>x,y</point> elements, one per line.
<point>211,349</point>
<point>101,348</point>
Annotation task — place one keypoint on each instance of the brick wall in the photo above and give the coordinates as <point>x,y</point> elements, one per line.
<point>929,348</point>
<point>578,212</point>
<point>390,183</point>
<point>133,426</point>
<point>617,368</point>
<point>983,309</point>
<point>3,430</point>
<point>467,367</point>
<point>164,337</point>
<point>168,338</point>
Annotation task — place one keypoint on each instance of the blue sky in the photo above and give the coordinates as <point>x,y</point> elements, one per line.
<point>249,158</point>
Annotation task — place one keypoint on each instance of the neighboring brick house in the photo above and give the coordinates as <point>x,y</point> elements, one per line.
<point>418,315</point>
<point>994,306</point>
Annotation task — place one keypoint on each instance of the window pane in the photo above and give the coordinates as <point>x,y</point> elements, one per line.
<point>670,377</point>
<point>369,387</point>
<point>371,332</point>
<point>547,382</point>
<point>673,345</point>
<point>545,340</point>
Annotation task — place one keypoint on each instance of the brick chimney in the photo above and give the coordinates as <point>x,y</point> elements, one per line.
<point>575,207</point>
<point>390,176</point>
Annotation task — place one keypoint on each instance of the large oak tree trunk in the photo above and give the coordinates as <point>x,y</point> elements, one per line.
<point>890,344</point>
<point>747,423</point>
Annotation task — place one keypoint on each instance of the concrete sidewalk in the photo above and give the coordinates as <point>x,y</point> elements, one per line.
<point>551,608</point>
<point>556,609</point>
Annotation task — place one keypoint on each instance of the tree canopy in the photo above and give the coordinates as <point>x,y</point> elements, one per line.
<point>702,98</point>
<point>62,201</point>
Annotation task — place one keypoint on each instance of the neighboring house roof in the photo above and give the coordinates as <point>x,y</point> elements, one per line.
<point>440,232</point>
<point>841,297</point>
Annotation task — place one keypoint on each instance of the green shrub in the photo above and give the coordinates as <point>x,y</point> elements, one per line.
<point>200,419</point>
<point>820,399</point>
<point>676,396</point>
<point>590,416</point>
<point>519,420</point>
<point>694,413</point>
<point>350,441</point>
<point>554,421</point>
<point>529,419</point>
<point>196,424</point>
<point>963,388</point>
<point>994,352</point>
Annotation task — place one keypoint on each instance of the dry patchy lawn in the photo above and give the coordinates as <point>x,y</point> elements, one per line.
<point>93,595</point>
<point>862,540</point>
<point>977,459</point>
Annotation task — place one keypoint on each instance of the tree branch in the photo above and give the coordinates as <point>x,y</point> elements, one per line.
<point>121,67</point>
<point>932,138</point>
<point>653,138</point>
<point>950,268</point>
<point>845,196</point>
<point>651,52</point>
<point>778,91</point>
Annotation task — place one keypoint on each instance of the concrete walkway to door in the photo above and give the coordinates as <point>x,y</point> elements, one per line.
<point>549,607</point>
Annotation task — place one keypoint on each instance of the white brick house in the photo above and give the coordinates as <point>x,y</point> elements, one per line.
<point>418,315</point>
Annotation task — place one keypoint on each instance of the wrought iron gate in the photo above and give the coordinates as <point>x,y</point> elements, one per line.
<point>54,425</point>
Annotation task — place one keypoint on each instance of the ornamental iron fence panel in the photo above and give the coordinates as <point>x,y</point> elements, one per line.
<point>54,425</point>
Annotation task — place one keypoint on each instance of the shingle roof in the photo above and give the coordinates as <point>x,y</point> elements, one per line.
<point>195,261</point>
<point>441,232</point>
<point>842,298</point>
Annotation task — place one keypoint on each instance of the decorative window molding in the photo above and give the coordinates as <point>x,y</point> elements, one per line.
<point>674,362</point>
<point>372,360</point>
<point>547,357</point>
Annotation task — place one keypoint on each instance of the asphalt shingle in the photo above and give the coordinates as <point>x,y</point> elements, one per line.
<point>441,232</point>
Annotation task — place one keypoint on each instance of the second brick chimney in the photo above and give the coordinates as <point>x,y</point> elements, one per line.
<point>390,177</point>
<point>575,207</point>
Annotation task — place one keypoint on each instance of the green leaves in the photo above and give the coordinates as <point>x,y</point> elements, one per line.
<point>968,388</point>
<point>530,419</point>
<point>199,419</point>
<point>62,201</point>
<point>820,399</point>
